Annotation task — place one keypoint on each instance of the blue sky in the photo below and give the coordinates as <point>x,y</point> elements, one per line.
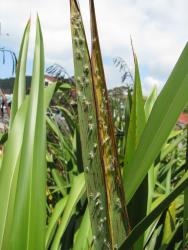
<point>158,28</point>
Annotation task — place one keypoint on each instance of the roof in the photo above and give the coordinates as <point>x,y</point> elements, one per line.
<point>50,78</point>
<point>183,118</point>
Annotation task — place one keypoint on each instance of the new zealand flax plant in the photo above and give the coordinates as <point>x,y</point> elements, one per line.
<point>107,207</point>
<point>136,141</point>
<point>92,201</point>
<point>23,169</point>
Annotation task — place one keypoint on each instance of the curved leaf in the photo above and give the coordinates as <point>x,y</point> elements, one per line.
<point>149,219</point>
<point>161,121</point>
<point>77,190</point>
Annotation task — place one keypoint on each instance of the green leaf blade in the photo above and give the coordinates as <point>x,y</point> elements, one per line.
<point>20,81</point>
<point>30,194</point>
<point>161,121</point>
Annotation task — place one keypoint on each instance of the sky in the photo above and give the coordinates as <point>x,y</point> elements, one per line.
<point>159,30</point>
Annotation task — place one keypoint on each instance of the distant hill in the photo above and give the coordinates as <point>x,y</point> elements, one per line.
<point>7,84</point>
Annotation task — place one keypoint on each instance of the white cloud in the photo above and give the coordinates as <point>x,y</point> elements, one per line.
<point>150,83</point>
<point>158,28</point>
